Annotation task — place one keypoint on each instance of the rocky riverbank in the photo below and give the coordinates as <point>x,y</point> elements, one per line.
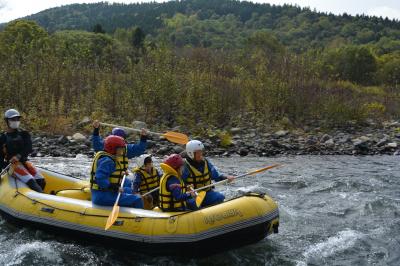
<point>353,140</point>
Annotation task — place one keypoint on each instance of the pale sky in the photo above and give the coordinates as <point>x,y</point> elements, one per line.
<point>13,9</point>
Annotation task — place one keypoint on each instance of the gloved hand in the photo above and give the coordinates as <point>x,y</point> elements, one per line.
<point>174,186</point>
<point>230,178</point>
<point>14,159</point>
<point>96,124</point>
<point>191,191</point>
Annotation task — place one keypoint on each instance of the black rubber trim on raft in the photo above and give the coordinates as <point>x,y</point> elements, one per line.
<point>48,170</point>
<point>202,248</point>
<point>173,238</point>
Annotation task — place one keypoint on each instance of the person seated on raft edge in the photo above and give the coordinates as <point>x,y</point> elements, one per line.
<point>199,172</point>
<point>107,174</point>
<point>16,145</point>
<point>146,178</point>
<point>173,196</point>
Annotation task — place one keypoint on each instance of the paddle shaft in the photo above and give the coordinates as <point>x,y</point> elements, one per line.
<point>223,181</point>
<point>129,128</point>
<point>119,193</point>
<point>151,191</point>
<point>239,176</point>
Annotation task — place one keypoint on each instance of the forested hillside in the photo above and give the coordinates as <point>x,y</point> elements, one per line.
<point>226,23</point>
<point>200,64</point>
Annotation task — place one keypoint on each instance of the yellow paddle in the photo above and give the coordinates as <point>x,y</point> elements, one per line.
<point>172,136</point>
<point>202,194</point>
<point>115,211</point>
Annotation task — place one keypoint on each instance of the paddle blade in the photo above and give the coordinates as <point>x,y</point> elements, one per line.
<point>200,197</point>
<point>176,137</point>
<point>113,217</point>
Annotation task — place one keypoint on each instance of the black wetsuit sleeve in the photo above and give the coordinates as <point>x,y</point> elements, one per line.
<point>2,155</point>
<point>27,149</point>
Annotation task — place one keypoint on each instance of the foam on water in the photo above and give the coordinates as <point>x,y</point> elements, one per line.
<point>335,244</point>
<point>248,188</point>
<point>36,250</point>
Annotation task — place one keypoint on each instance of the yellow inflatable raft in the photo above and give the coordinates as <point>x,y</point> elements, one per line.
<point>65,207</point>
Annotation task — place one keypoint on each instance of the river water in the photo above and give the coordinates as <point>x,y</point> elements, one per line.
<point>334,210</point>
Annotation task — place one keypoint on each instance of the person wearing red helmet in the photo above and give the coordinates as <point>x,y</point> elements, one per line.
<point>131,150</point>
<point>173,195</point>
<point>107,174</point>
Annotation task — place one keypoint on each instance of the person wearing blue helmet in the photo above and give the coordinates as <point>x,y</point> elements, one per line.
<point>132,150</point>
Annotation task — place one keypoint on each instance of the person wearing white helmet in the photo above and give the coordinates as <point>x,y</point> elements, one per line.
<point>16,145</point>
<point>147,177</point>
<point>200,172</point>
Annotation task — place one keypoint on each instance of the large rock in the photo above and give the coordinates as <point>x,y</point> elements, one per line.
<point>139,124</point>
<point>325,138</point>
<point>382,142</point>
<point>236,130</point>
<point>361,143</point>
<point>329,143</point>
<point>78,137</point>
<point>392,145</point>
<point>281,133</point>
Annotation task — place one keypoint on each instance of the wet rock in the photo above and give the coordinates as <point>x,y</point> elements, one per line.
<point>56,153</point>
<point>361,143</point>
<point>78,137</point>
<point>243,152</point>
<point>83,147</point>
